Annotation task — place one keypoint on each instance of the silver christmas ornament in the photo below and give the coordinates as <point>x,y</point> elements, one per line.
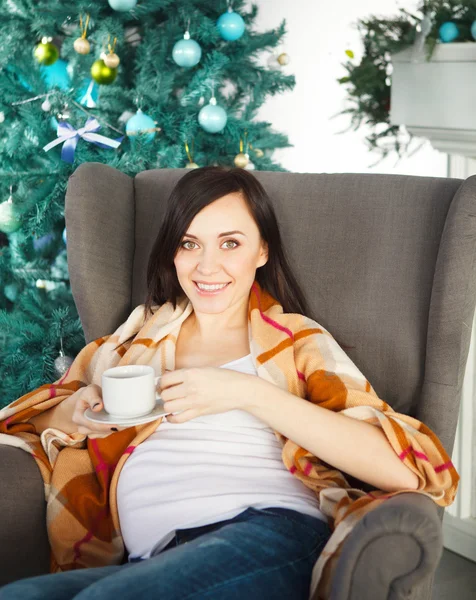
<point>62,363</point>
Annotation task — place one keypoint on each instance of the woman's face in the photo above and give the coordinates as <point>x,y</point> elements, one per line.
<point>213,258</point>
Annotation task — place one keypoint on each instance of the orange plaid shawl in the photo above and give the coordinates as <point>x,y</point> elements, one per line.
<point>290,350</point>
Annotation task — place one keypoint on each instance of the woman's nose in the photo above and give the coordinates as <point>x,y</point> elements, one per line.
<point>209,261</point>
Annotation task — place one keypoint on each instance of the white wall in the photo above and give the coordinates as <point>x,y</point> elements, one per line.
<point>318,33</point>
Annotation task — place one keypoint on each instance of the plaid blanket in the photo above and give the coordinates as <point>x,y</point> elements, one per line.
<point>80,473</point>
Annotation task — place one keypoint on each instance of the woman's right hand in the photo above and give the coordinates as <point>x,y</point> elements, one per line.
<point>89,397</point>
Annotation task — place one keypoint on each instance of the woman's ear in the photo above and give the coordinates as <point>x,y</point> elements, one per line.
<point>263,258</point>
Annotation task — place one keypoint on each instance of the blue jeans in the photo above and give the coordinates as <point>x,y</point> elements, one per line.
<point>259,554</point>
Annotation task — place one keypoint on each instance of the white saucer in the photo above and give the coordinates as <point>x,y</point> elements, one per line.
<point>103,417</point>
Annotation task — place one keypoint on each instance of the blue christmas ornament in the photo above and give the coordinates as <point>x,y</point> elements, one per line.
<point>57,74</point>
<point>42,242</point>
<point>11,291</point>
<point>448,32</point>
<point>187,52</point>
<point>64,235</point>
<point>230,25</point>
<point>141,125</point>
<point>88,94</point>
<point>122,5</point>
<point>212,117</point>
<point>473,30</point>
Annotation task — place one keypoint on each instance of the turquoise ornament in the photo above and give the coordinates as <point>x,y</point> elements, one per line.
<point>11,291</point>
<point>122,5</point>
<point>448,32</point>
<point>230,25</point>
<point>142,126</point>
<point>212,118</point>
<point>473,30</point>
<point>187,52</point>
<point>57,75</point>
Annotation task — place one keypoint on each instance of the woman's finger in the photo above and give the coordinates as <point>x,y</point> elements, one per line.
<point>186,415</point>
<point>173,406</point>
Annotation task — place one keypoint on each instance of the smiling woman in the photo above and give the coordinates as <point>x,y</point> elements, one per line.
<point>220,227</point>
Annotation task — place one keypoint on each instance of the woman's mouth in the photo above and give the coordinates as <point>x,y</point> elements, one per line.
<point>210,292</point>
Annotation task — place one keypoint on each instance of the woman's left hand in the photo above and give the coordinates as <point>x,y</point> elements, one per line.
<point>205,391</point>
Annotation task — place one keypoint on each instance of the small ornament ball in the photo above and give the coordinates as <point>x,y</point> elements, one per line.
<point>111,60</point>
<point>9,216</point>
<point>283,59</point>
<point>62,363</point>
<point>230,25</point>
<point>448,32</point>
<point>101,73</point>
<point>241,160</point>
<point>46,53</point>
<point>187,52</point>
<point>212,118</point>
<point>191,165</point>
<point>122,5</point>
<point>141,125</point>
<point>473,30</point>
<point>259,153</point>
<point>46,105</point>
<point>82,46</point>
<point>11,291</point>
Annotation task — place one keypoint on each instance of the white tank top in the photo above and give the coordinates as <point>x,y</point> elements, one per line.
<point>203,471</point>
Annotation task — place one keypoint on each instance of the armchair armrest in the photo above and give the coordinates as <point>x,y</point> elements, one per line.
<point>24,546</point>
<point>393,552</point>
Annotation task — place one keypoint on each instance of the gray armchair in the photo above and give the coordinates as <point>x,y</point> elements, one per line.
<point>387,263</point>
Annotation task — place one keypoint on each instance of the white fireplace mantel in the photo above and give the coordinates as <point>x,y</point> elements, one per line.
<point>451,141</point>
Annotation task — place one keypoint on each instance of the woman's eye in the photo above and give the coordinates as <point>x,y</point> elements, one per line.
<point>232,242</point>
<point>183,244</point>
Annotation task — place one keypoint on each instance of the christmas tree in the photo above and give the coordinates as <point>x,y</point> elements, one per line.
<point>136,84</point>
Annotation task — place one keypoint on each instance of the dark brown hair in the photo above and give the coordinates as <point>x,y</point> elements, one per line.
<point>194,191</point>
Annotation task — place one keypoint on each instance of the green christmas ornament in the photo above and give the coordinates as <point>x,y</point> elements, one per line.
<point>9,216</point>
<point>46,53</point>
<point>101,73</point>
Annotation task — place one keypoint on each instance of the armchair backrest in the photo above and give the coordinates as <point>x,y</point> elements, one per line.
<point>386,262</point>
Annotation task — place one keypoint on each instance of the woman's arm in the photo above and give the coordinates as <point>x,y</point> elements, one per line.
<point>355,447</point>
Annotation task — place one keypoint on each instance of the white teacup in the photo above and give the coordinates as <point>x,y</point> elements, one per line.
<point>129,390</point>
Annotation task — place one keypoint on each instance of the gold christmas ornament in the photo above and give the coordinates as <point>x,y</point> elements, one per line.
<point>111,60</point>
<point>191,165</point>
<point>46,53</point>
<point>241,160</point>
<point>101,73</point>
<point>81,45</point>
<point>283,59</point>
<point>259,153</point>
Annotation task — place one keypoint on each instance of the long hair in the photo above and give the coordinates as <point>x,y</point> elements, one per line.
<point>192,193</point>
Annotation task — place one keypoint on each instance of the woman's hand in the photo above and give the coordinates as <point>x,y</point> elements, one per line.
<point>89,397</point>
<point>206,391</point>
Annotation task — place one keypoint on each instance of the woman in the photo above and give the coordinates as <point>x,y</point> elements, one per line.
<point>257,530</point>
<point>207,508</point>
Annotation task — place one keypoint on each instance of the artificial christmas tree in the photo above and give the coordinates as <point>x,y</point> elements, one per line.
<point>136,85</point>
